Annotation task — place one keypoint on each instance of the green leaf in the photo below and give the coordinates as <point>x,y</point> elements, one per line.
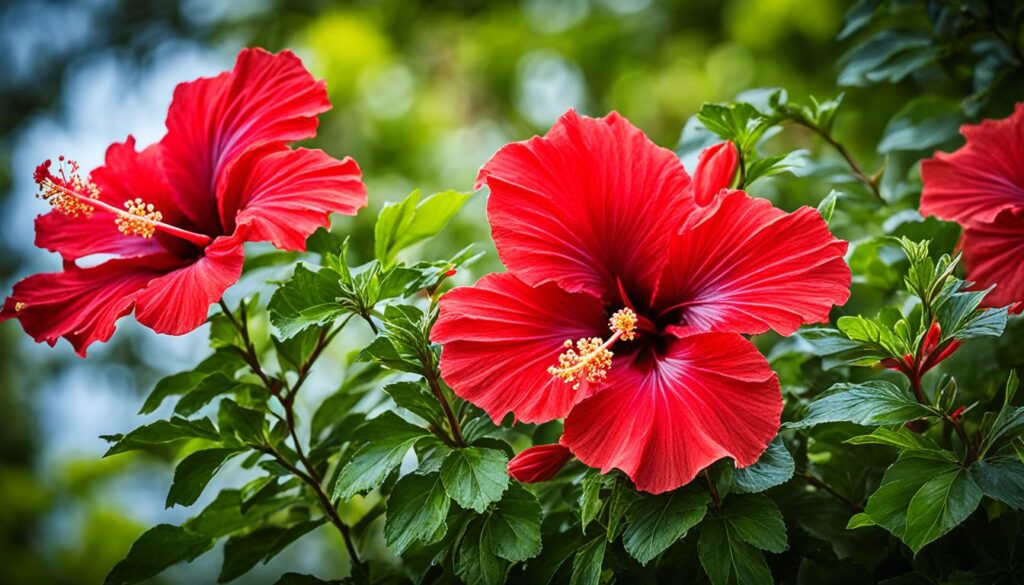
<point>240,424</point>
<point>382,352</point>
<point>872,403</point>
<point>923,496</point>
<point>223,361</point>
<point>387,439</point>
<point>210,388</point>
<point>193,474</point>
<point>294,352</point>
<point>158,548</point>
<point>865,59</point>
<point>417,509</point>
<point>1001,478</point>
<point>590,498</point>
<point>514,525</point>
<point>901,438</point>
<point>774,467</point>
<point>476,562</point>
<point>474,477</point>
<point>756,520</point>
<point>242,553</point>
<point>162,432</point>
<point>655,522</point>
<point>414,397</point>
<point>619,503</point>
<point>942,503</point>
<point>586,566</point>
<point>727,559</point>
<point>828,205</point>
<point>404,224</point>
<point>307,298</point>
<point>922,124</point>
<point>873,334</point>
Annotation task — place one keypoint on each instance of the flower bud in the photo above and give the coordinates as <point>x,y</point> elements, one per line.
<point>931,339</point>
<point>716,170</point>
<point>539,463</point>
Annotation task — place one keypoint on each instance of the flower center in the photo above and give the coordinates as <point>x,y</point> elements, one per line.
<point>591,358</point>
<point>70,194</point>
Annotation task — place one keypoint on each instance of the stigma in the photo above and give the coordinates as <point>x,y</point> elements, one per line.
<point>67,191</point>
<point>590,358</point>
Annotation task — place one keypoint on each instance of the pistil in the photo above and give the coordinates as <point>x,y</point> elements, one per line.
<point>70,194</point>
<point>591,359</point>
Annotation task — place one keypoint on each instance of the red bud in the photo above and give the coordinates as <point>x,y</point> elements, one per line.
<point>539,463</point>
<point>716,169</point>
<point>931,339</point>
<point>956,414</point>
<point>945,353</point>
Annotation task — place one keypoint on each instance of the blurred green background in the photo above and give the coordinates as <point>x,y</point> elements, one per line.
<point>424,92</point>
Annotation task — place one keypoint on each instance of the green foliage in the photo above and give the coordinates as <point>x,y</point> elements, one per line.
<point>655,522</point>
<point>474,477</point>
<point>413,480</point>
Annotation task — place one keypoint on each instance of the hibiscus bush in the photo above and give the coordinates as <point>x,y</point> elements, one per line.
<point>677,375</point>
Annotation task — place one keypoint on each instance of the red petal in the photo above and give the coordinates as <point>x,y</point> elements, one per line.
<point>992,256</point>
<point>716,169</point>
<point>972,185</point>
<point>592,201</point>
<point>82,304</point>
<point>501,335</point>
<point>266,98</point>
<point>125,174</point>
<point>539,463</point>
<point>178,302</point>
<point>285,195</point>
<point>662,420</point>
<point>747,267</point>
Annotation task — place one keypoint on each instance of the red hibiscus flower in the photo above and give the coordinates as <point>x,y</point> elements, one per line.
<point>981,187</point>
<point>177,213</point>
<point>626,302</point>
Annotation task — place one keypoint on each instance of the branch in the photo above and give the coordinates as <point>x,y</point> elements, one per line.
<point>821,485</point>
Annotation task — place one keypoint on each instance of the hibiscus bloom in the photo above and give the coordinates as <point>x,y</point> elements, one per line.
<point>176,214</point>
<point>626,302</point>
<point>981,187</point>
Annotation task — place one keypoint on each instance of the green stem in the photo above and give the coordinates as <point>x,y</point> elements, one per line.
<point>310,475</point>
<point>821,485</point>
<point>858,172</point>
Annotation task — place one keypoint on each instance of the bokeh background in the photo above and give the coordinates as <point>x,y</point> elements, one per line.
<point>423,91</point>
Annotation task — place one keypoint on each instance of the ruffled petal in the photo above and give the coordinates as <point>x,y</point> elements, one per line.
<point>178,302</point>
<point>992,256</point>
<point>663,419</point>
<point>590,204</point>
<point>746,267</point>
<point>286,194</point>
<point>974,184</point>
<point>501,335</point>
<point>266,98</point>
<point>125,174</point>
<point>82,305</point>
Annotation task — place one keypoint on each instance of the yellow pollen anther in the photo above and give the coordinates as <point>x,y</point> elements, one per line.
<point>19,306</point>
<point>591,359</point>
<point>139,219</point>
